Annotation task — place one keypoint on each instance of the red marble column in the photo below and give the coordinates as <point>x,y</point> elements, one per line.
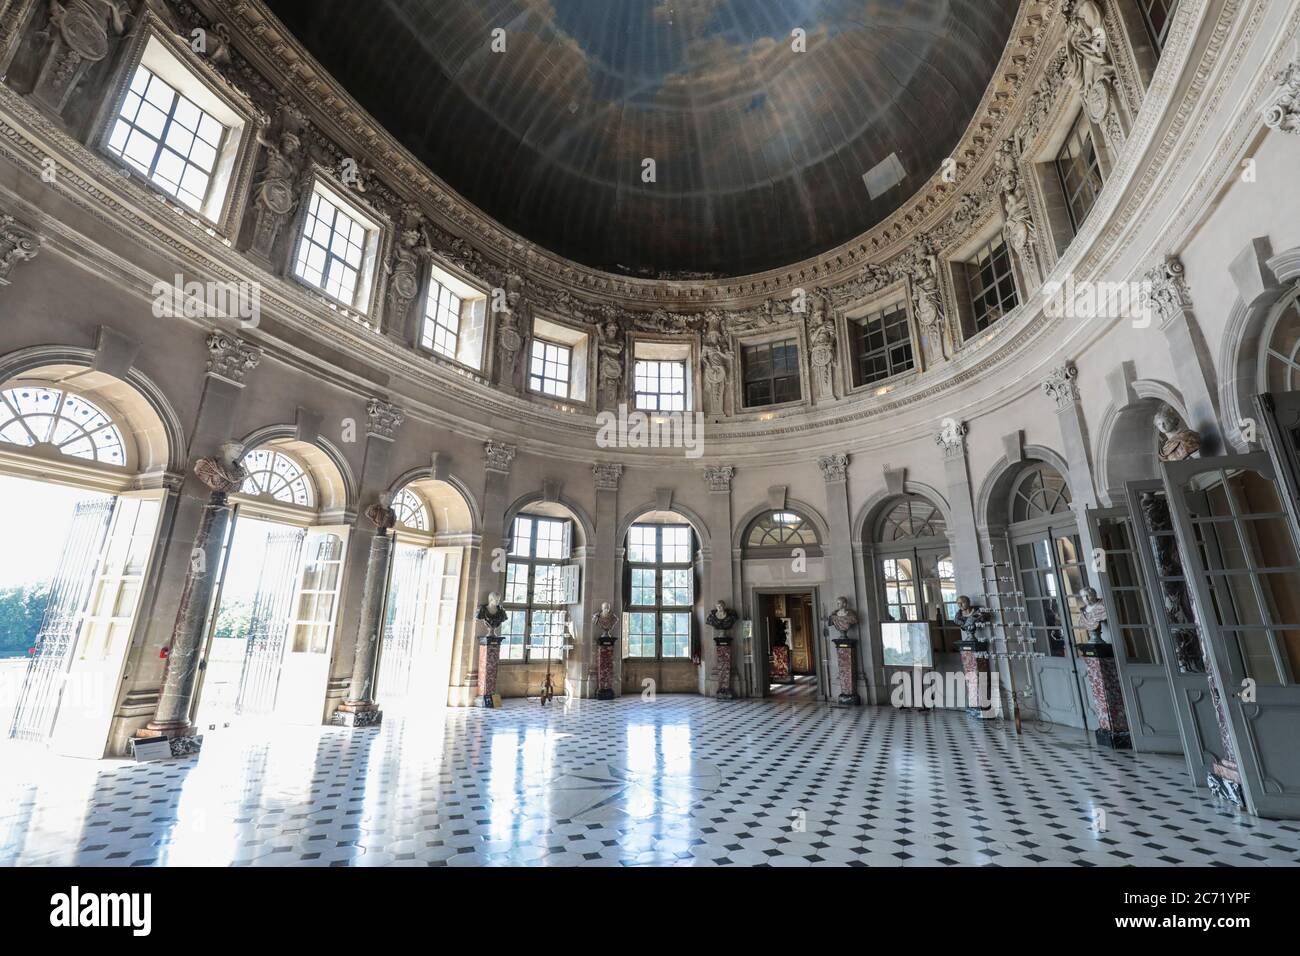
<point>605,667</point>
<point>1103,684</point>
<point>723,645</point>
<point>844,665</point>
<point>489,655</point>
<point>979,696</point>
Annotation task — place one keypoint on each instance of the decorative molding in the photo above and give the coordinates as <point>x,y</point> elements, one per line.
<point>498,456</point>
<point>606,476</point>
<point>1169,296</point>
<point>834,467</point>
<point>230,358</point>
<point>718,477</point>
<point>1283,110</point>
<point>1062,386</point>
<point>383,419</point>
<point>952,439</point>
<point>18,243</point>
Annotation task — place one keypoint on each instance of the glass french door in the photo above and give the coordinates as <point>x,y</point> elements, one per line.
<point>268,623</point>
<point>1051,573</point>
<point>304,672</point>
<point>1239,542</point>
<point>405,616</point>
<point>1134,633</point>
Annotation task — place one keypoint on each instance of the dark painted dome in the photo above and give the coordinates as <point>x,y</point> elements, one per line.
<point>759,151</point>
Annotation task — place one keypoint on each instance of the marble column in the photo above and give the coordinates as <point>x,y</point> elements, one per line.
<point>1104,686</point>
<point>835,471</point>
<point>360,709</point>
<point>605,666</point>
<point>223,474</point>
<point>722,650</point>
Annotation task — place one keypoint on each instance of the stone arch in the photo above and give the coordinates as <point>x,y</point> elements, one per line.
<point>802,508</point>
<point>871,511</point>
<point>1127,441</point>
<point>693,517</point>
<point>335,481</point>
<point>160,445</point>
<point>470,521</point>
<point>995,491</point>
<point>580,517</point>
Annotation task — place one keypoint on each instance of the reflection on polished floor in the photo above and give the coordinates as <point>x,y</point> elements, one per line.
<point>683,781</point>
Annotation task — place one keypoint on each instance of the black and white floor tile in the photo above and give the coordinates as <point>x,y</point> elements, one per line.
<point>680,781</point>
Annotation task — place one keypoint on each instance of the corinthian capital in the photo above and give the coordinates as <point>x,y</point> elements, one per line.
<point>952,438</point>
<point>1168,295</point>
<point>498,456</point>
<point>607,477</point>
<point>230,358</point>
<point>1283,111</point>
<point>383,419</point>
<point>18,243</point>
<point>719,477</point>
<point>834,467</point>
<point>1061,385</point>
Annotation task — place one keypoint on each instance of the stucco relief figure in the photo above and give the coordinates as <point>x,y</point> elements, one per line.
<point>821,349</point>
<point>404,275</point>
<point>508,340</point>
<point>275,191</point>
<point>1088,57</point>
<point>84,27</point>
<point>722,618</point>
<point>928,302</point>
<point>1018,221</point>
<point>611,360</point>
<point>605,621</point>
<point>1177,441</point>
<point>1093,613</point>
<point>716,357</point>
<point>491,613</point>
<point>842,618</point>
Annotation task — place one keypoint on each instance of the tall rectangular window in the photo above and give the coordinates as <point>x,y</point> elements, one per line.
<point>1080,171</point>
<point>991,284</point>
<point>660,386</point>
<point>661,592</point>
<point>772,373</point>
<point>332,249</point>
<point>548,372</point>
<point>540,584</point>
<point>165,136</point>
<point>882,345</point>
<point>442,309</point>
<point>1158,14</point>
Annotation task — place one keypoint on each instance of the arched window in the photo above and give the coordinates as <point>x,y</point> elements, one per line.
<point>275,475</point>
<point>782,529</point>
<point>916,569</point>
<point>912,517</point>
<point>36,415</point>
<point>410,510</point>
<point>1280,362</point>
<point>1040,493</point>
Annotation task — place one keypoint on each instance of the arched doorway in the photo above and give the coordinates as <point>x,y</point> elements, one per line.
<point>1048,571</point>
<point>424,597</point>
<point>660,588</point>
<point>783,568</point>
<point>83,463</point>
<point>276,603</point>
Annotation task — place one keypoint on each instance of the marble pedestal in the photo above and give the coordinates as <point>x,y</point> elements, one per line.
<point>844,667</point>
<point>723,645</point>
<point>979,702</point>
<point>605,667</point>
<point>1103,685</point>
<point>489,657</point>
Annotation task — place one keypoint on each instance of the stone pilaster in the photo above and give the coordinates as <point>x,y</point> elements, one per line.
<point>360,709</point>
<point>962,524</point>
<point>1170,302</point>
<point>1107,698</point>
<point>1061,388</point>
<point>718,664</point>
<point>603,585</point>
<point>835,470</point>
<point>223,474</point>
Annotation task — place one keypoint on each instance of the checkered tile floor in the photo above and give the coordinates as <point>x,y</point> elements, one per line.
<point>682,781</point>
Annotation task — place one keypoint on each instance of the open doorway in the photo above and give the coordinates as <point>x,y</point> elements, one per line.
<point>786,622</point>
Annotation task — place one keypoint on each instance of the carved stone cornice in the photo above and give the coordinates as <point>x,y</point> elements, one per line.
<point>18,243</point>
<point>607,476</point>
<point>952,439</point>
<point>834,467</point>
<point>1061,386</point>
<point>1168,295</point>
<point>230,358</point>
<point>718,477</point>
<point>498,456</point>
<point>1283,111</point>
<point>383,419</point>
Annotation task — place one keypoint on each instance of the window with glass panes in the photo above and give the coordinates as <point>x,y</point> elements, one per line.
<point>549,370</point>
<point>882,345</point>
<point>1080,171</point>
<point>772,373</point>
<point>916,569</point>
<point>661,592</point>
<point>1158,14</point>
<point>991,284</point>
<point>162,133</point>
<point>660,386</point>
<point>441,320</point>
<point>537,570</point>
<point>332,251</point>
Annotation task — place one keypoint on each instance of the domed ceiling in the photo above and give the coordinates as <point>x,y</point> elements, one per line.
<point>759,151</point>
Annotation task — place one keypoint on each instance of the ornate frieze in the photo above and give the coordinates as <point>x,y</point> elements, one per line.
<point>230,358</point>
<point>1168,295</point>
<point>607,476</point>
<point>718,477</point>
<point>1061,386</point>
<point>383,419</point>
<point>498,456</point>
<point>834,467</point>
<point>18,243</point>
<point>1283,111</point>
